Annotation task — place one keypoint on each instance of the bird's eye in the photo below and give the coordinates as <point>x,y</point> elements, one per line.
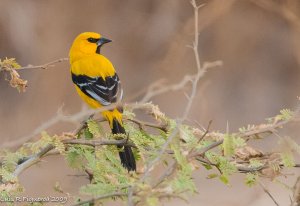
<point>92,40</point>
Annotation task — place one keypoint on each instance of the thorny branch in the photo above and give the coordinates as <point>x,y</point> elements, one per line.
<point>194,80</point>
<point>76,118</point>
<point>33,159</point>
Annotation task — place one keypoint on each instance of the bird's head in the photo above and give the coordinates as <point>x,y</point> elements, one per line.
<point>87,43</point>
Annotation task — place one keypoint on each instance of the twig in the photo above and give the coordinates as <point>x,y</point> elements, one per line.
<point>45,66</point>
<point>268,193</point>
<point>75,119</point>
<point>296,193</point>
<point>94,143</point>
<point>168,172</point>
<point>201,138</point>
<point>59,117</point>
<point>92,200</point>
<point>158,88</point>
<point>194,79</point>
<point>32,160</point>
<point>148,124</point>
<point>268,128</point>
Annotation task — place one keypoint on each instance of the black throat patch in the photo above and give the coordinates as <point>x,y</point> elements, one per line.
<point>98,49</point>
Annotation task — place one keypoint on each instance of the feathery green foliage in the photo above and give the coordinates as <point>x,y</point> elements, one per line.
<point>107,175</point>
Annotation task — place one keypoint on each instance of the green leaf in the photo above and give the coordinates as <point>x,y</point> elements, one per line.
<point>7,176</point>
<point>207,166</point>
<point>251,179</point>
<point>98,189</point>
<point>183,182</point>
<point>93,128</point>
<point>228,145</point>
<point>152,201</point>
<point>128,114</point>
<point>87,134</point>
<point>186,133</point>
<point>254,163</point>
<point>226,167</point>
<point>238,142</point>
<point>287,159</point>
<point>180,158</point>
<point>285,114</point>
<point>211,176</point>
<point>10,63</point>
<point>224,179</point>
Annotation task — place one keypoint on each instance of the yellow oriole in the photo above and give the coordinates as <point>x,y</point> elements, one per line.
<point>98,84</point>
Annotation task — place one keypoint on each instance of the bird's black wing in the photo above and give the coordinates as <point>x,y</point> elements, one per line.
<point>104,90</point>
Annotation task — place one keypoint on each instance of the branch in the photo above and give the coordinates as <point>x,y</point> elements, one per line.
<point>59,117</point>
<point>142,124</point>
<point>270,128</point>
<point>95,143</point>
<point>45,66</point>
<point>92,200</point>
<point>296,193</point>
<point>75,119</point>
<point>268,193</point>
<point>11,66</point>
<point>32,160</point>
<point>192,78</point>
<point>158,88</point>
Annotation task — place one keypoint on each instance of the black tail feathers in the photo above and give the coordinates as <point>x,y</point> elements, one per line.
<point>126,154</point>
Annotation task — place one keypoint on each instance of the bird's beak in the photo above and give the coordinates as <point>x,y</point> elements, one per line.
<point>102,41</point>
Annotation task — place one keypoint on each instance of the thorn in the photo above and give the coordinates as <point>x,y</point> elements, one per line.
<point>189,46</point>
<point>187,96</point>
<point>227,127</point>
<point>60,109</point>
<point>200,6</point>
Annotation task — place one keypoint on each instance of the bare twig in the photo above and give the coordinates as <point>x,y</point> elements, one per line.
<point>168,172</point>
<point>194,79</point>
<point>268,193</point>
<point>115,194</point>
<point>141,124</point>
<point>45,66</point>
<point>158,88</point>
<point>296,193</point>
<point>59,117</point>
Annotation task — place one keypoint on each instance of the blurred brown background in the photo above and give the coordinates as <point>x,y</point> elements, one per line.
<point>257,40</point>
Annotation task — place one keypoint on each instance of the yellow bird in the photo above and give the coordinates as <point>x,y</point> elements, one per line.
<point>98,84</point>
